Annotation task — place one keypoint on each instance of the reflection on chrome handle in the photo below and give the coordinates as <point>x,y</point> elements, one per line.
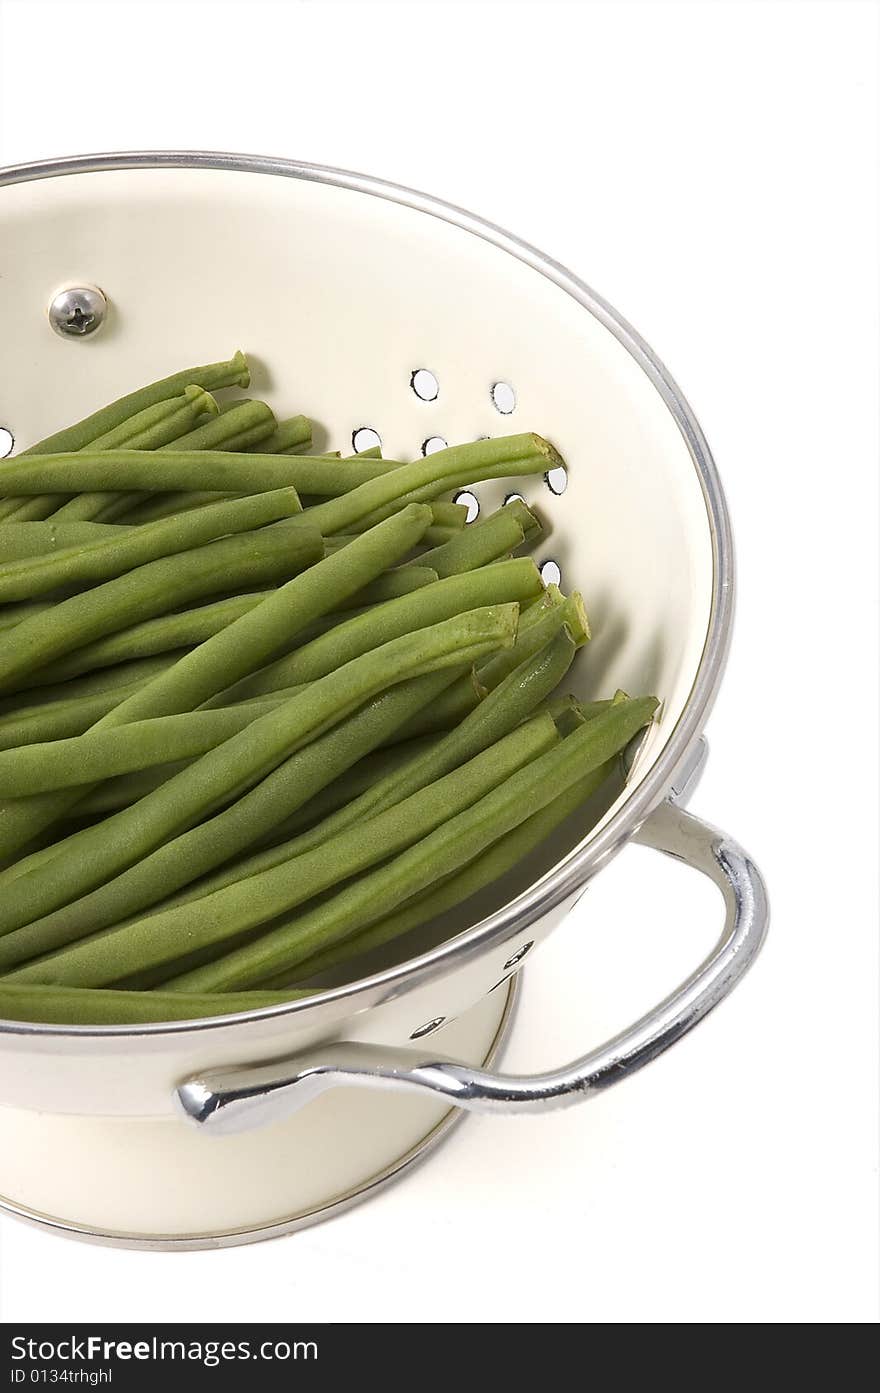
<point>230,1100</point>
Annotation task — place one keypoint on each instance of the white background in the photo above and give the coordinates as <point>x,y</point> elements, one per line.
<point>711,169</point>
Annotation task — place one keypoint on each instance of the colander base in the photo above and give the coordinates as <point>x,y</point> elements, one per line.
<point>478,1035</point>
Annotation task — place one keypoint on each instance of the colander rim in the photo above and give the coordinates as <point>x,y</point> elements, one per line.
<point>558,884</point>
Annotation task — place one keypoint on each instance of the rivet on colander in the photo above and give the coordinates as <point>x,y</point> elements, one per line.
<point>425,384</point>
<point>519,955</point>
<point>470,501</point>
<point>433,444</point>
<point>78,311</point>
<point>557,479</point>
<point>7,441</point>
<point>426,1029</point>
<point>503,397</point>
<point>365,438</point>
<point>550,573</point>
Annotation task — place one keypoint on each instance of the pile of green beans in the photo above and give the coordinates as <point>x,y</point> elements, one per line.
<point>265,712</point>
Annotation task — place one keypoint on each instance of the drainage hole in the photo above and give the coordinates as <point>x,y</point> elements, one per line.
<point>470,501</point>
<point>365,438</point>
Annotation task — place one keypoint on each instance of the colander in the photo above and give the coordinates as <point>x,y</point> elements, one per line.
<point>387,313</point>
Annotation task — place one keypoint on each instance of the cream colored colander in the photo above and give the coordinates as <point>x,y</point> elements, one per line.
<point>385,315</point>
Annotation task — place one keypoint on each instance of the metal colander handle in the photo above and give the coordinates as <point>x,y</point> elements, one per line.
<point>232,1100</point>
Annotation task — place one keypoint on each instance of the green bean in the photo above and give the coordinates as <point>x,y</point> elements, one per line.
<point>511,701</point>
<point>166,505</point>
<point>76,1006</point>
<point>451,515</point>
<point>589,709</point>
<point>450,709</point>
<point>484,541</point>
<point>104,422</point>
<point>64,837</point>
<point>311,630</point>
<point>506,855</point>
<point>391,586</point>
<point>329,478</point>
<point>440,527</point>
<point>454,843</point>
<point>183,859</point>
<point>550,599</point>
<point>343,790</point>
<point>136,546</point>
<point>217,471</point>
<point>242,425</point>
<point>76,826</point>
<point>291,434</point>
<point>21,539</point>
<point>565,713</point>
<point>246,758</point>
<point>125,789</point>
<point>247,559</point>
<point>130,674</point>
<point>426,479</point>
<point>233,373</point>
<point>250,902</point>
<point>435,537</point>
<point>256,637</point>
<point>427,492</point>
<point>73,830</point>
<point>27,509</point>
<point>163,422</point>
<point>157,425</point>
<point>102,754</point>
<point>162,635</point>
<point>573,713</point>
<point>259,633</point>
<point>156,977</point>
<point>538,625</point>
<point>121,792</point>
<point>439,536</point>
<point>150,429</point>
<point>79,812</point>
<point>57,719</point>
<point>48,837</point>
<point>505,582</point>
<point>457,702</point>
<point>500,713</point>
<point>372,452</point>
<point>10,615</point>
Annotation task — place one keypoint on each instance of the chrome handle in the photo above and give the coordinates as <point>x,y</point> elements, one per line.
<point>225,1101</point>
